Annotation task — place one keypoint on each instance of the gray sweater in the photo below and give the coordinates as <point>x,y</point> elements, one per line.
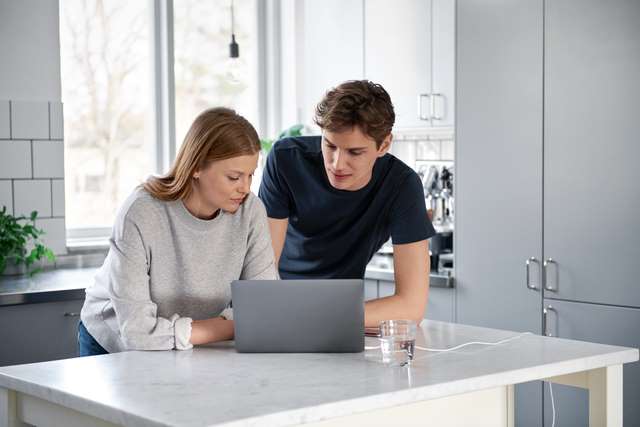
<point>166,267</point>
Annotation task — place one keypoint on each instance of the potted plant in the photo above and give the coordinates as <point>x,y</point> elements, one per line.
<point>17,234</point>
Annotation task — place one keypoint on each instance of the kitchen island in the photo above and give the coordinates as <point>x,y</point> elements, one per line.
<point>216,386</point>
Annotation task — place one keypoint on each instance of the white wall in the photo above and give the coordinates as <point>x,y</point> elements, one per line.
<point>31,118</point>
<point>29,50</point>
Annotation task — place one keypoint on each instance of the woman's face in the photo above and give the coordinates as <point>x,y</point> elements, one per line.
<point>224,184</point>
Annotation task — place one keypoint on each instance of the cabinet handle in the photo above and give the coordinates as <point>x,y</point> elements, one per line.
<point>527,267</point>
<point>545,313</point>
<point>421,116</point>
<point>433,106</point>
<point>546,264</point>
<point>71,314</point>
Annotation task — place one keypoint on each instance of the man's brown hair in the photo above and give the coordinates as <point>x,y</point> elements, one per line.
<point>357,103</point>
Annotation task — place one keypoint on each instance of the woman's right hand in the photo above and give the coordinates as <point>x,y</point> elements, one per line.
<point>211,330</point>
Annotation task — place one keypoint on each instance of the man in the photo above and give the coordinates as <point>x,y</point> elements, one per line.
<point>333,200</point>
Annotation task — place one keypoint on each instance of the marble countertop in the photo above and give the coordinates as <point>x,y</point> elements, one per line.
<point>50,285</point>
<point>216,386</point>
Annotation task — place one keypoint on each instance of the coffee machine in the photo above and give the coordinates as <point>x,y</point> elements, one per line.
<point>438,189</point>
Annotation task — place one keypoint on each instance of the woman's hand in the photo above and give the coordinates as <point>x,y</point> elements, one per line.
<point>211,330</point>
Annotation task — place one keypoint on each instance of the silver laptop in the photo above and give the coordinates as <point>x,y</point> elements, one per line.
<point>298,316</point>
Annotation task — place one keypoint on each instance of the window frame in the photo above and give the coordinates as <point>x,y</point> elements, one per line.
<point>163,94</point>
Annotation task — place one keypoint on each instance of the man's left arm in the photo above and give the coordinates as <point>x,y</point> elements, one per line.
<point>411,271</point>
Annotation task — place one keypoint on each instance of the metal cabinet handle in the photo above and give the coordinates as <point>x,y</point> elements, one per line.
<point>421,116</point>
<point>71,314</point>
<point>545,313</point>
<point>546,264</point>
<point>433,105</point>
<point>528,275</point>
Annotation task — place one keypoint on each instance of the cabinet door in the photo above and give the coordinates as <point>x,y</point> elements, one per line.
<point>441,305</point>
<point>333,48</point>
<point>397,54</point>
<point>38,332</point>
<point>591,150</point>
<point>443,62</point>
<point>370,289</point>
<point>606,325</point>
<point>499,171</point>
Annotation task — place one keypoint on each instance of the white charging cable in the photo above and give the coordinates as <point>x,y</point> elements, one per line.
<point>553,407</point>
<point>461,345</point>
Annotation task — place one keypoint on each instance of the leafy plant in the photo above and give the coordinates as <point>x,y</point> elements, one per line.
<point>295,130</point>
<point>16,233</point>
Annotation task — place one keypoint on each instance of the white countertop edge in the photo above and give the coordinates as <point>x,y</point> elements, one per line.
<point>344,407</point>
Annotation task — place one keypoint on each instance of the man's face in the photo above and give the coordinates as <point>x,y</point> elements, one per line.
<point>349,157</point>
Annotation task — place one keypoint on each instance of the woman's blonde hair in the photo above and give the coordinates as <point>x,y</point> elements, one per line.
<point>216,134</point>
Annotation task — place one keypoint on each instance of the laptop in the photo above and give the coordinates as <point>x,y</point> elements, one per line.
<point>298,316</point>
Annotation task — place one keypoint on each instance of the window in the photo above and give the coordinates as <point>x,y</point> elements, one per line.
<point>108,77</point>
<point>106,90</point>
<point>205,75</point>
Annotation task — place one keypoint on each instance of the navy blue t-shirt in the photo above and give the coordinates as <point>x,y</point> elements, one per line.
<point>334,233</point>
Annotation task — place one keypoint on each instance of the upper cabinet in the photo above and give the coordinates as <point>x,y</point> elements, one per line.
<point>332,49</point>
<point>405,45</point>
<point>409,49</point>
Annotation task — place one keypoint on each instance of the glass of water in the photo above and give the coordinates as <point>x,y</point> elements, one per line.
<point>397,341</point>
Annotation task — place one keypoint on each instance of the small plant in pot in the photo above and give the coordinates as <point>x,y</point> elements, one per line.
<point>17,234</point>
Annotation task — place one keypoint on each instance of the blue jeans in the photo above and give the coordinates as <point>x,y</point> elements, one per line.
<point>87,345</point>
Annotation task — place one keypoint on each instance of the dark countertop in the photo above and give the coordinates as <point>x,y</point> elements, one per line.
<point>67,284</point>
<point>436,279</point>
<point>47,286</point>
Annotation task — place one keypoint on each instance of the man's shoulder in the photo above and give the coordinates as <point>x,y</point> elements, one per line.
<point>297,144</point>
<point>398,172</point>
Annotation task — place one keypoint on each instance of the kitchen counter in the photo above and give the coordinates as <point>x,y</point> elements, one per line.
<point>46,286</point>
<point>436,280</point>
<point>69,284</point>
<point>216,386</point>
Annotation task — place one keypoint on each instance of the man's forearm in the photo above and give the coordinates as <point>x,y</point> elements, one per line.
<point>392,307</point>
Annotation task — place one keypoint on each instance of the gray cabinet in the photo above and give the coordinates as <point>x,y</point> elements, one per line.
<point>530,180</point>
<point>38,332</point>
<point>591,191</point>
<point>370,289</point>
<point>605,325</point>
<point>439,307</point>
<point>499,172</point>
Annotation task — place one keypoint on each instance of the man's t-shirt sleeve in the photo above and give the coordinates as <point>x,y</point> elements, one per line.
<point>408,217</point>
<point>274,192</point>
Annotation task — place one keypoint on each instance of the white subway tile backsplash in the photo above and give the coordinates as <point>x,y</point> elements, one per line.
<point>447,150</point>
<point>15,159</point>
<point>55,236</point>
<point>29,120</point>
<point>48,159</point>
<point>32,195</point>
<point>6,195</point>
<point>428,150</point>
<point>57,195</point>
<point>5,117</point>
<point>56,121</point>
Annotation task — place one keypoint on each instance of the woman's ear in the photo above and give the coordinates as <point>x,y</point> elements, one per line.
<point>385,146</point>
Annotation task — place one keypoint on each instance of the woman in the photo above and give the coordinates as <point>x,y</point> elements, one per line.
<point>177,243</point>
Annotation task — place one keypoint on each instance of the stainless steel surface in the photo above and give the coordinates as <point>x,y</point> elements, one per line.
<point>545,319</point>
<point>436,280</point>
<point>546,264</point>
<point>48,286</point>
<point>528,268</point>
